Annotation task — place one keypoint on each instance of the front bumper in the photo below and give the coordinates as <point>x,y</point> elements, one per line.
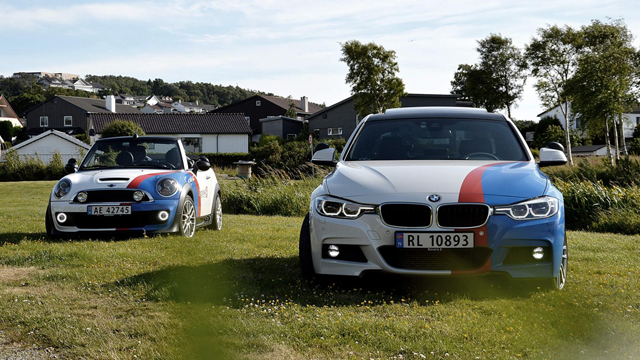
<point>144,217</point>
<point>501,245</point>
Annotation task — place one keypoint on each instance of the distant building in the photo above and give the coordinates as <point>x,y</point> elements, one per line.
<point>41,74</point>
<point>46,144</point>
<point>282,126</point>
<point>589,150</point>
<point>341,118</point>
<point>630,120</point>
<point>192,107</point>
<point>159,108</point>
<point>259,107</point>
<point>73,84</point>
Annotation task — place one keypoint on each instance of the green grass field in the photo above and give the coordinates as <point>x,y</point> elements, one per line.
<point>238,293</point>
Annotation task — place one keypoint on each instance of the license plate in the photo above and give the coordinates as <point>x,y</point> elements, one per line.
<point>108,210</point>
<point>435,240</point>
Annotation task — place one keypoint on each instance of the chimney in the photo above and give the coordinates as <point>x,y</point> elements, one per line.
<point>180,101</point>
<point>304,104</point>
<point>196,102</point>
<point>111,103</point>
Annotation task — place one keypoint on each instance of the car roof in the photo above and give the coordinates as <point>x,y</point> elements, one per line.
<point>139,138</point>
<point>440,112</point>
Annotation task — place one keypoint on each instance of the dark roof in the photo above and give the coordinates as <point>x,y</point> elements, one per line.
<point>282,118</point>
<point>587,148</point>
<point>223,123</point>
<point>350,98</point>
<point>97,85</point>
<point>285,103</point>
<point>96,105</point>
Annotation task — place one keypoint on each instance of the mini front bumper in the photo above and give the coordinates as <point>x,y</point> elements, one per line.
<point>144,216</point>
<point>502,245</point>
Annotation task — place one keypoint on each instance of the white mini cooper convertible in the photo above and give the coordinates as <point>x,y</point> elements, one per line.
<point>436,192</point>
<point>135,184</point>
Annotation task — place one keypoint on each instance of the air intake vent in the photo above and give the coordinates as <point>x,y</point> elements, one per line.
<point>406,215</point>
<point>462,215</point>
<point>113,179</point>
<point>424,259</point>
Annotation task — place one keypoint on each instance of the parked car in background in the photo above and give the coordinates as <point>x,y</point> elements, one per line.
<point>135,184</point>
<point>436,192</point>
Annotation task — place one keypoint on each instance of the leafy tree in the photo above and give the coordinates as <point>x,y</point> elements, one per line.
<point>545,123</point>
<point>497,81</point>
<point>121,128</point>
<point>372,76</point>
<point>604,84</point>
<point>6,130</point>
<point>553,60</point>
<point>291,111</point>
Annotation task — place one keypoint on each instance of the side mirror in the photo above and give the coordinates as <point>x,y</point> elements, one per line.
<point>320,146</point>
<point>552,155</point>
<point>324,156</point>
<point>71,167</point>
<point>203,165</point>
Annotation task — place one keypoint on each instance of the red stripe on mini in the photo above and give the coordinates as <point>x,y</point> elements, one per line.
<point>138,180</point>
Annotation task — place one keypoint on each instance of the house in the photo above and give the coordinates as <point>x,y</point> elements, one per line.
<point>126,99</point>
<point>7,113</point>
<point>341,118</point>
<point>79,84</point>
<point>158,108</point>
<point>589,150</point>
<point>208,133</point>
<point>74,84</point>
<point>69,114</point>
<point>46,144</point>
<point>282,126</point>
<point>192,107</point>
<point>259,107</point>
<point>41,74</point>
<point>144,100</point>
<point>630,120</point>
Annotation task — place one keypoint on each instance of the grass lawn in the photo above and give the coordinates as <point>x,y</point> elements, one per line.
<point>237,293</point>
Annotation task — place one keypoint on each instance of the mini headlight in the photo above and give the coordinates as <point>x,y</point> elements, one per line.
<point>62,188</point>
<point>138,195</point>
<point>341,208</point>
<point>538,208</point>
<point>82,196</point>
<point>167,187</point>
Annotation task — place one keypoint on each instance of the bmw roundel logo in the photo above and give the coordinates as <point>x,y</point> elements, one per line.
<point>434,198</point>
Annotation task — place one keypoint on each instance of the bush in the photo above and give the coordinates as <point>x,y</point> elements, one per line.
<point>625,173</point>
<point>121,128</point>
<point>625,221</point>
<point>30,168</point>
<point>224,159</point>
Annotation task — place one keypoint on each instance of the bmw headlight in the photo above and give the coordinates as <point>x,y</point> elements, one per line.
<point>167,187</point>
<point>342,209</point>
<point>538,208</point>
<point>62,188</point>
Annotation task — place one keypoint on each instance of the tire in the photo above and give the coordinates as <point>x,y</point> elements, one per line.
<point>187,217</point>
<point>304,251</point>
<point>216,214</point>
<point>559,282</point>
<point>48,222</point>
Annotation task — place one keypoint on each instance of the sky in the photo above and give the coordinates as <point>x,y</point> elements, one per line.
<point>285,47</point>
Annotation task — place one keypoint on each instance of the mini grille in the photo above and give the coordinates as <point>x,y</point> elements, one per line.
<point>102,196</point>
<point>462,215</point>
<point>425,259</point>
<point>406,215</point>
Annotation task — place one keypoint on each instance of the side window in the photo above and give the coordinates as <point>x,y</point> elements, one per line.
<point>44,121</point>
<point>68,121</point>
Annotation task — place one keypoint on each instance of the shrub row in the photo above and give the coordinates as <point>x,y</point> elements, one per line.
<point>224,159</point>
<point>30,168</point>
<point>625,173</point>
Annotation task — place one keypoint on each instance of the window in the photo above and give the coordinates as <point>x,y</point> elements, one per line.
<point>44,121</point>
<point>68,121</point>
<point>316,132</point>
<point>291,136</point>
<point>324,116</point>
<point>334,131</point>
<point>258,103</point>
<point>191,145</point>
<point>247,118</point>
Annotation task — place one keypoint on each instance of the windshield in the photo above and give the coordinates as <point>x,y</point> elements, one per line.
<point>436,139</point>
<point>133,153</point>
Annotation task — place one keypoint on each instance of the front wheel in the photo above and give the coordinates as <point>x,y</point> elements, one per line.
<point>304,250</point>
<point>188,218</point>
<point>558,282</point>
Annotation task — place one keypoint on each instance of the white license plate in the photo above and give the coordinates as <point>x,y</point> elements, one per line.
<point>435,240</point>
<point>108,210</point>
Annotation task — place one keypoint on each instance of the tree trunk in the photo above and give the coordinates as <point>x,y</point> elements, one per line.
<point>608,142</point>
<point>565,110</point>
<point>615,139</point>
<point>624,141</point>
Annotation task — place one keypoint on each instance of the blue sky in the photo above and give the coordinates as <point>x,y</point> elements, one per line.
<point>284,47</point>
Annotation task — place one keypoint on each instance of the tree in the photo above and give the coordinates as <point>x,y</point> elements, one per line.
<point>553,60</point>
<point>372,76</point>
<point>291,111</point>
<point>6,130</point>
<point>121,128</point>
<point>605,82</point>
<point>497,81</point>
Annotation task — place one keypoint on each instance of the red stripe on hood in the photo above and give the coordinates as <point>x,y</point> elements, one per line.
<point>471,189</point>
<point>138,180</point>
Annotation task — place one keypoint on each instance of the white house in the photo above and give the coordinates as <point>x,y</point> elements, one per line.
<point>49,142</point>
<point>192,107</point>
<point>158,108</point>
<point>629,122</point>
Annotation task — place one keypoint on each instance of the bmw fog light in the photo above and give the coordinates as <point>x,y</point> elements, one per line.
<point>333,251</point>
<point>61,217</point>
<point>82,196</point>
<point>138,195</point>
<point>163,215</point>
<point>538,253</point>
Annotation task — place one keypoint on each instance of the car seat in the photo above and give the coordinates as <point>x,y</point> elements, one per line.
<point>139,153</point>
<point>124,158</point>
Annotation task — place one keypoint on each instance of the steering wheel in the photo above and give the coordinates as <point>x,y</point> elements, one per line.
<point>166,164</point>
<point>489,155</point>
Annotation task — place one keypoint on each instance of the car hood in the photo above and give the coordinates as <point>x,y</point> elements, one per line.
<point>491,182</point>
<point>112,178</point>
